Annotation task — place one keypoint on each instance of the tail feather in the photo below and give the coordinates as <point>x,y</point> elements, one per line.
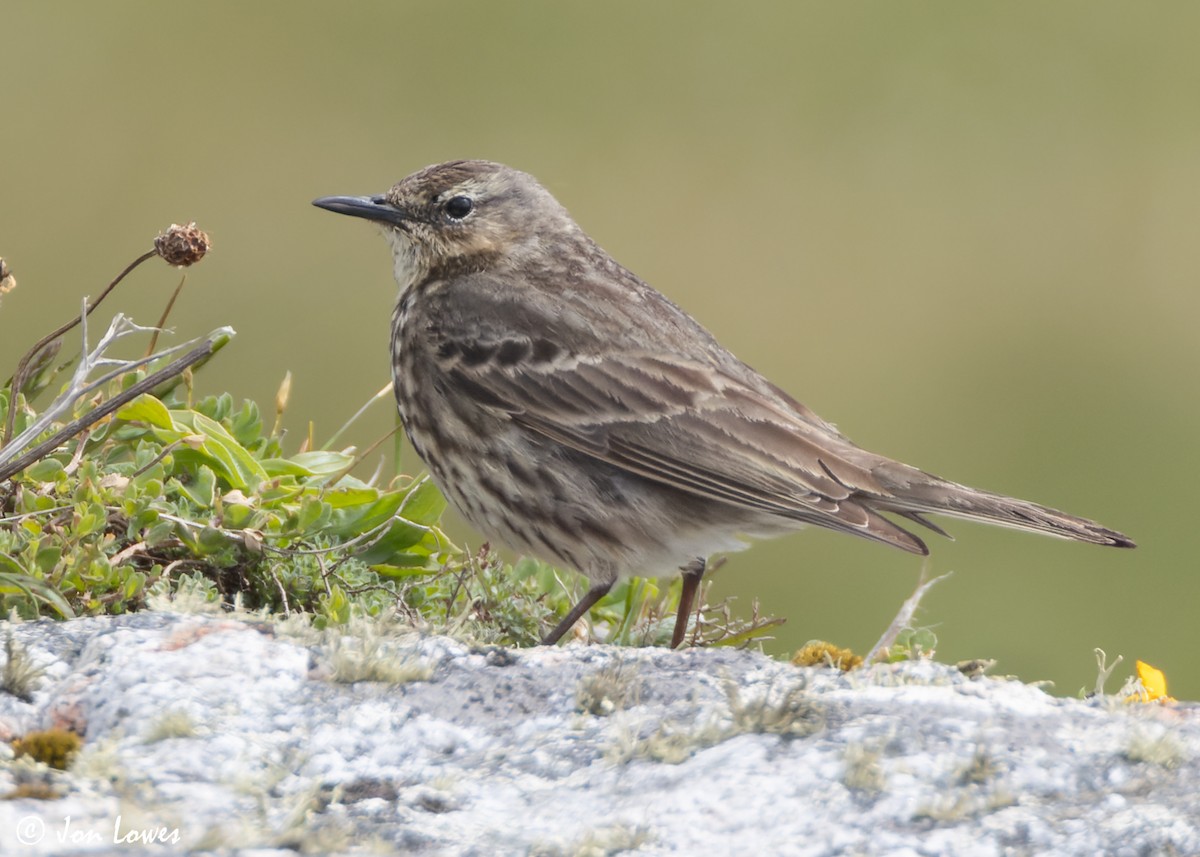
<point>914,493</point>
<point>918,518</point>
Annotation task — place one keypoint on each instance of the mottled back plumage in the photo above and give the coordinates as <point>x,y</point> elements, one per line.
<point>569,410</point>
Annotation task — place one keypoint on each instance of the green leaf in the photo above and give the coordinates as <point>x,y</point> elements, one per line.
<point>211,540</point>
<point>202,489</point>
<point>246,424</point>
<point>159,532</point>
<point>356,510</point>
<point>36,590</point>
<point>46,470</point>
<point>400,535</point>
<point>322,463</point>
<point>11,564</point>
<point>407,565</point>
<point>91,519</point>
<point>924,640</point>
<point>147,409</point>
<point>229,458</point>
<point>336,606</point>
<point>351,498</point>
<point>237,516</point>
<point>283,467</point>
<point>47,558</point>
<point>313,514</point>
<point>750,633</point>
<point>135,584</point>
<point>424,503</point>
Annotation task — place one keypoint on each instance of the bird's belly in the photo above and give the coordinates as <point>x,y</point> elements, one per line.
<point>543,499</point>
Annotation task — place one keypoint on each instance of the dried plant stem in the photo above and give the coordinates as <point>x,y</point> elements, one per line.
<point>107,407</point>
<point>18,377</point>
<point>903,618</point>
<point>162,321</point>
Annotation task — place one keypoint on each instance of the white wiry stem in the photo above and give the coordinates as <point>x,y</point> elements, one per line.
<point>89,361</point>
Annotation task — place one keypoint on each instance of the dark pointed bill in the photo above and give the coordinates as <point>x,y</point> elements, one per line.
<point>369,207</point>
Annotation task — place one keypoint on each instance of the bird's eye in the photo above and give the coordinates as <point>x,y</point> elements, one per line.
<point>459,207</point>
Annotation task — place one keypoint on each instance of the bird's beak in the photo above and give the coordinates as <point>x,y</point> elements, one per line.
<point>375,208</point>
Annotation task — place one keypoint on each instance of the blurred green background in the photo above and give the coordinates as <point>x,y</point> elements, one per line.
<point>964,232</point>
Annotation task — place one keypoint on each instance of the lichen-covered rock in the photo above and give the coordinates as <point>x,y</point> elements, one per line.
<point>233,735</point>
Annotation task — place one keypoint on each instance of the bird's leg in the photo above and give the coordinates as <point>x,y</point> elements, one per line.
<point>598,591</point>
<point>692,573</point>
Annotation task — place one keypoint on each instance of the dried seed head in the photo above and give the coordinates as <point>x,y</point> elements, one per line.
<point>182,245</point>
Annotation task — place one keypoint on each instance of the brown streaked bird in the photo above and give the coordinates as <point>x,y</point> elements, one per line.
<point>572,412</point>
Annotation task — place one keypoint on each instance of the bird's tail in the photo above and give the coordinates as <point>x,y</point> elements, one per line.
<point>914,493</point>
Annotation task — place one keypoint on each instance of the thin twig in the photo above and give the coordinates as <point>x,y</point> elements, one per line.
<point>903,618</point>
<point>162,321</point>
<point>94,416</point>
<point>80,387</point>
<point>359,459</point>
<point>18,377</point>
<point>375,398</point>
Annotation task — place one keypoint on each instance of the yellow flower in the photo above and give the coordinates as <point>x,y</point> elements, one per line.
<point>1154,685</point>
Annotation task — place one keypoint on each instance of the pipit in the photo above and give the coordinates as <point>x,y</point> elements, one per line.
<point>572,412</point>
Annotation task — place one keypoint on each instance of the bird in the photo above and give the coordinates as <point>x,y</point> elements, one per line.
<point>572,412</point>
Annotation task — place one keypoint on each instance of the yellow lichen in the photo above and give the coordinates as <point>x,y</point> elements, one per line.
<point>821,654</point>
<point>53,747</point>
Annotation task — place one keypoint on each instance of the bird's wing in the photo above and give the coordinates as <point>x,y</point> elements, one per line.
<point>684,423</point>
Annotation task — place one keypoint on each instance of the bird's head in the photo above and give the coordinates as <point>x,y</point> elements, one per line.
<point>458,217</point>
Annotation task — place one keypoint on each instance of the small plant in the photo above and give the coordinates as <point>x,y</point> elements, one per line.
<point>363,650</point>
<point>1104,671</point>
<point>175,723</point>
<point>1156,746</point>
<point>607,690</point>
<point>55,748</point>
<point>672,742</point>
<point>789,711</point>
<point>981,770</point>
<point>21,675</point>
<point>900,642</point>
<point>863,771</point>
<point>911,644</point>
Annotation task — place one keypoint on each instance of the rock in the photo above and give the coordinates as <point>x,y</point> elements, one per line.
<point>241,737</point>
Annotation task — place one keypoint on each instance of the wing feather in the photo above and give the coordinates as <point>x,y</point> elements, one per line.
<point>688,425</point>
